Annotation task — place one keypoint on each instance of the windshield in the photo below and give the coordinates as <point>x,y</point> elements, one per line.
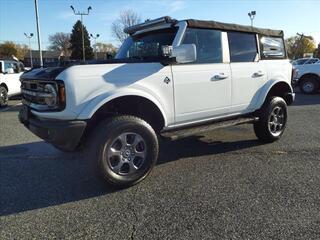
<point>147,45</point>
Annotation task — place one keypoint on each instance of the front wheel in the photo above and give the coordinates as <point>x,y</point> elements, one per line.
<point>272,120</point>
<point>126,148</point>
<point>3,96</point>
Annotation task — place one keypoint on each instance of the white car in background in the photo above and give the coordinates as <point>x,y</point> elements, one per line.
<point>304,61</point>
<point>307,77</point>
<point>10,72</point>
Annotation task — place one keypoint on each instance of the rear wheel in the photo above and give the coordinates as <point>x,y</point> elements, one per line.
<point>126,148</point>
<point>3,96</point>
<point>272,120</point>
<point>309,85</point>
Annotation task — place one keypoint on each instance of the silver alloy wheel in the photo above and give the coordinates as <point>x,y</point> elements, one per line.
<point>127,153</point>
<point>276,121</point>
<point>308,87</point>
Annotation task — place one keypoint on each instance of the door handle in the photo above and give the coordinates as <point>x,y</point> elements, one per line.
<point>219,76</point>
<point>258,74</point>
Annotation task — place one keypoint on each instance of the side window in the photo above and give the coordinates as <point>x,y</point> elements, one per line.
<point>272,48</point>
<point>208,43</point>
<point>15,67</point>
<point>7,66</point>
<point>242,46</point>
<point>11,65</point>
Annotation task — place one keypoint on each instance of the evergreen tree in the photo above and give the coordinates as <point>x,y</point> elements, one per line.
<point>76,43</point>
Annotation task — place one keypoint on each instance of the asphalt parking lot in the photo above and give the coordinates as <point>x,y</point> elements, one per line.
<point>222,185</point>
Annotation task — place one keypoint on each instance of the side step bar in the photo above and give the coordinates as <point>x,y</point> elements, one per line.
<point>190,131</point>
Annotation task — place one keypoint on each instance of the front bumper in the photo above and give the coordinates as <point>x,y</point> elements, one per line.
<point>65,135</point>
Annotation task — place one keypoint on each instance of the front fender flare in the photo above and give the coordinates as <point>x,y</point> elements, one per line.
<point>96,103</point>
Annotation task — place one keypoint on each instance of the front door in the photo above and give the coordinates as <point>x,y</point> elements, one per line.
<point>202,90</point>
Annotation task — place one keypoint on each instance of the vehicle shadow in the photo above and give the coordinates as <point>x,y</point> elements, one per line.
<point>35,175</point>
<point>304,99</point>
<point>194,147</point>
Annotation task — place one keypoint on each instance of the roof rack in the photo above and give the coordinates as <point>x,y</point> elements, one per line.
<point>149,24</point>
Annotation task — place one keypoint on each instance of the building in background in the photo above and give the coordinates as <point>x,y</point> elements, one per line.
<point>50,58</point>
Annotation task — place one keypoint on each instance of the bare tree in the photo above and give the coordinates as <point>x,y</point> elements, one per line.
<point>127,18</point>
<point>9,49</point>
<point>60,42</point>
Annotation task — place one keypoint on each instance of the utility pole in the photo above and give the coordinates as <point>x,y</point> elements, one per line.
<point>252,15</point>
<point>95,44</point>
<point>30,51</point>
<point>38,32</point>
<point>81,14</point>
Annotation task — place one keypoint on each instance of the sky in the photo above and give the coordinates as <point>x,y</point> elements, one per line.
<point>18,16</point>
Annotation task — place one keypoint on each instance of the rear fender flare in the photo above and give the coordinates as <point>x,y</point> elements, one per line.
<point>265,90</point>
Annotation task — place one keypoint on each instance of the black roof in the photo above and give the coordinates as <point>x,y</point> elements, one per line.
<point>233,27</point>
<point>193,23</point>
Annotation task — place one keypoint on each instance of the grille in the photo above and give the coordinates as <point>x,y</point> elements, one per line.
<point>33,92</point>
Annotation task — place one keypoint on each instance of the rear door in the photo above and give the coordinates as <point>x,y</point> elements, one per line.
<point>202,89</point>
<point>248,73</point>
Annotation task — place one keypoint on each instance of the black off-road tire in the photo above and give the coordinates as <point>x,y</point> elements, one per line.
<point>103,136</point>
<point>265,129</point>
<point>3,96</point>
<point>309,85</point>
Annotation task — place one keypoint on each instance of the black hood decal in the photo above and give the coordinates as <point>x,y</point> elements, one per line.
<point>49,73</point>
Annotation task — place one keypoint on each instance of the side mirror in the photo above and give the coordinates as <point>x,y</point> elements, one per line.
<point>185,53</point>
<point>9,70</point>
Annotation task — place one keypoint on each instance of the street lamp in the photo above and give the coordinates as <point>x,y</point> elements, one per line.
<point>95,44</point>
<point>30,52</point>
<point>252,15</point>
<point>81,14</point>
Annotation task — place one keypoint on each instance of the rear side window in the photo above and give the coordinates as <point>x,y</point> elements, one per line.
<point>208,43</point>
<point>272,48</point>
<point>242,46</point>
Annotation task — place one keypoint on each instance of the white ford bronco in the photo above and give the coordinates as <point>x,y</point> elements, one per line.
<point>169,79</point>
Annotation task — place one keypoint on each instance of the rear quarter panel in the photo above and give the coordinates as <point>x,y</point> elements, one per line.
<point>277,71</point>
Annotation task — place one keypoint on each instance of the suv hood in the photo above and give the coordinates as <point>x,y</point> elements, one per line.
<point>50,73</point>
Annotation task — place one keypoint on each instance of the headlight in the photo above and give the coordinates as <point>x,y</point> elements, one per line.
<point>51,96</point>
